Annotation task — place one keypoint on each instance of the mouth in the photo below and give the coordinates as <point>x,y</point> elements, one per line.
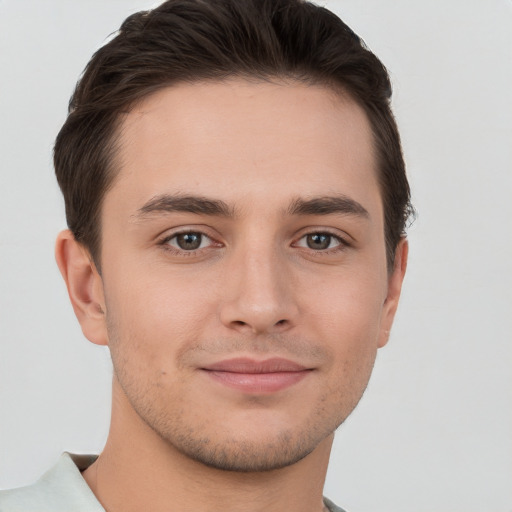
<point>257,377</point>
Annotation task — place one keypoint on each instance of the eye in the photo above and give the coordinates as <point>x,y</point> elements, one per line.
<point>189,241</point>
<point>320,241</point>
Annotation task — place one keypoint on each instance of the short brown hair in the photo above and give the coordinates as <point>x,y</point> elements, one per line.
<point>192,40</point>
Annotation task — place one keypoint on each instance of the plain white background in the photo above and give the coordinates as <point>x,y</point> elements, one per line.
<point>434,430</point>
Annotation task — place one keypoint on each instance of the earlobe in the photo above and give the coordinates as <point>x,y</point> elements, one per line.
<point>85,286</point>
<point>395,281</point>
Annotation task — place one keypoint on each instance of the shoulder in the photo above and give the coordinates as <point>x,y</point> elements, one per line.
<point>331,506</point>
<point>60,489</point>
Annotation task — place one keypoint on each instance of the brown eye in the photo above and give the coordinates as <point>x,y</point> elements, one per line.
<point>319,241</point>
<point>187,241</point>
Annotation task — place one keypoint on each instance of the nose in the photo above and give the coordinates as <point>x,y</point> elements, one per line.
<point>258,294</point>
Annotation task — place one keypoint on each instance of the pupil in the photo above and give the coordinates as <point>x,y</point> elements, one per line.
<point>318,241</point>
<point>189,241</point>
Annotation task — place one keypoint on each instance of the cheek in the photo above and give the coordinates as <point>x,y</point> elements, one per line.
<point>153,318</point>
<point>349,307</point>
<point>347,317</point>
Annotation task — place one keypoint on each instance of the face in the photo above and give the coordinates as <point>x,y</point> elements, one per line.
<point>244,269</point>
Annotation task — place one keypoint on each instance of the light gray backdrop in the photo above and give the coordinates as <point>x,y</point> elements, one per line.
<point>434,430</point>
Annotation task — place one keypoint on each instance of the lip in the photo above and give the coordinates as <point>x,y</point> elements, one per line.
<point>257,377</point>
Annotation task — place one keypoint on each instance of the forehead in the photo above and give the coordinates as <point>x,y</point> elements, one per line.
<point>241,141</point>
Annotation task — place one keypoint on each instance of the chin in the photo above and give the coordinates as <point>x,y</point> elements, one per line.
<point>251,446</point>
<point>247,456</point>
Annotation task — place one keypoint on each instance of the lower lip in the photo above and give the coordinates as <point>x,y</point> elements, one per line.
<point>258,382</point>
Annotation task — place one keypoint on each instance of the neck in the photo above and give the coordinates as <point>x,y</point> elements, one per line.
<point>138,470</point>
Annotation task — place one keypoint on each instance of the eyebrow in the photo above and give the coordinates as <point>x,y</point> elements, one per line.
<point>328,205</point>
<point>200,205</point>
<point>167,203</point>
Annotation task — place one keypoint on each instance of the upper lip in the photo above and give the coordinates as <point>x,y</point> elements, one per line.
<point>248,365</point>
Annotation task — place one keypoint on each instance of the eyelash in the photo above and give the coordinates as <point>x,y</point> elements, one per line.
<point>164,243</point>
<point>342,244</point>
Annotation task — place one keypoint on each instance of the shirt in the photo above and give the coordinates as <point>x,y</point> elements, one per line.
<point>63,489</point>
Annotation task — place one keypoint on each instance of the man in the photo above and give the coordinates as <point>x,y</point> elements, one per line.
<point>236,201</point>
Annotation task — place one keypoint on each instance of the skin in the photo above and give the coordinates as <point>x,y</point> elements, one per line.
<point>260,285</point>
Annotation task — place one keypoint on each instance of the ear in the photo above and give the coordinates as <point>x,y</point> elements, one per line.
<point>85,286</point>
<point>395,281</point>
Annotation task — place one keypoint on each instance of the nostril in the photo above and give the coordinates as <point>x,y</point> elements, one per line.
<point>281,322</point>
